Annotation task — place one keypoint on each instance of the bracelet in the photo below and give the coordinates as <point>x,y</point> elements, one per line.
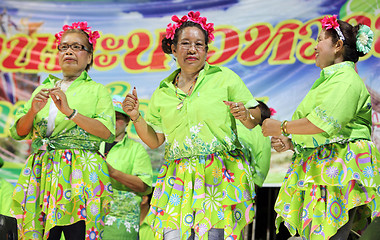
<point>76,112</point>
<point>283,128</point>
<point>137,119</point>
<point>72,114</point>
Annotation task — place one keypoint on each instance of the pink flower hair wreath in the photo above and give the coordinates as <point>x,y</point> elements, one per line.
<point>92,35</point>
<point>332,23</point>
<point>193,17</point>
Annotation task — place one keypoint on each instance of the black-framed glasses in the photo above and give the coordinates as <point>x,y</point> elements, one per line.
<point>76,47</point>
<point>187,45</point>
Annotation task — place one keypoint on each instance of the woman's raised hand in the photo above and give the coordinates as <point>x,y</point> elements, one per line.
<point>238,110</point>
<point>60,101</point>
<point>131,105</point>
<point>39,101</point>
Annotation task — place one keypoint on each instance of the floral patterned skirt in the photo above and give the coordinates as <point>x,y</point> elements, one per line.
<point>62,187</point>
<point>203,192</point>
<point>324,183</point>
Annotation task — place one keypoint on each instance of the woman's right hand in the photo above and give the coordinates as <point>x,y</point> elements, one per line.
<point>25,123</point>
<point>39,101</point>
<point>281,143</point>
<point>131,105</point>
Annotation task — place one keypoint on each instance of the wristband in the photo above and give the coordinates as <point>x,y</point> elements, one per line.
<point>71,115</point>
<point>283,128</point>
<point>137,119</point>
<point>76,112</point>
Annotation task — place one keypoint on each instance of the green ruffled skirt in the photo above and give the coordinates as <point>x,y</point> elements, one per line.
<point>324,183</point>
<point>203,192</point>
<point>62,187</point>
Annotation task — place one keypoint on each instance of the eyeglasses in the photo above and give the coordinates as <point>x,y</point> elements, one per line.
<point>187,45</point>
<point>76,47</point>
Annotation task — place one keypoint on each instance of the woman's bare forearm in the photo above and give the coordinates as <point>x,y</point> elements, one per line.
<point>147,133</point>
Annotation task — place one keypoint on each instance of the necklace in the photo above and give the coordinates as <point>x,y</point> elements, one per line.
<point>180,105</point>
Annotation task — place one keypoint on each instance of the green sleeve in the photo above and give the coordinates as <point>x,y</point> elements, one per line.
<point>257,150</point>
<point>20,113</point>
<point>142,168</point>
<point>338,107</point>
<point>238,91</point>
<point>153,115</point>
<point>105,112</point>
<point>263,164</point>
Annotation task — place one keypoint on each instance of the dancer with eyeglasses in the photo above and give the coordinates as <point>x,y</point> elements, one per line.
<point>205,188</point>
<point>64,185</point>
<point>334,178</point>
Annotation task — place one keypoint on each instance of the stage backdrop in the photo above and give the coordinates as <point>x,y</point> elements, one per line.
<point>269,43</point>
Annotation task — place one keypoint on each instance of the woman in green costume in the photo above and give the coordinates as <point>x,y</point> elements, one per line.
<point>65,185</point>
<point>205,188</point>
<point>335,170</point>
<point>131,177</point>
<point>256,147</point>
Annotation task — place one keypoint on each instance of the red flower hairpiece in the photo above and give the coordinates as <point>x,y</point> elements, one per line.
<point>332,22</point>
<point>193,17</point>
<point>272,111</point>
<point>92,35</point>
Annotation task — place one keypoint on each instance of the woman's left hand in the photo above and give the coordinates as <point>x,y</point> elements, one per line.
<point>271,127</point>
<point>281,143</point>
<point>60,100</point>
<point>238,110</point>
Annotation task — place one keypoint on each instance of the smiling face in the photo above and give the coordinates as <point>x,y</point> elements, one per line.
<point>74,62</point>
<point>325,51</point>
<point>190,51</point>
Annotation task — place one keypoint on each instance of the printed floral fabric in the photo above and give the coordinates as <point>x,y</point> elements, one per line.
<point>203,192</point>
<point>65,179</point>
<point>62,187</point>
<point>123,221</point>
<point>323,184</point>
<point>337,170</point>
<point>89,98</point>
<point>130,157</point>
<point>204,124</point>
<point>338,103</point>
<point>257,149</point>
<point>205,182</point>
